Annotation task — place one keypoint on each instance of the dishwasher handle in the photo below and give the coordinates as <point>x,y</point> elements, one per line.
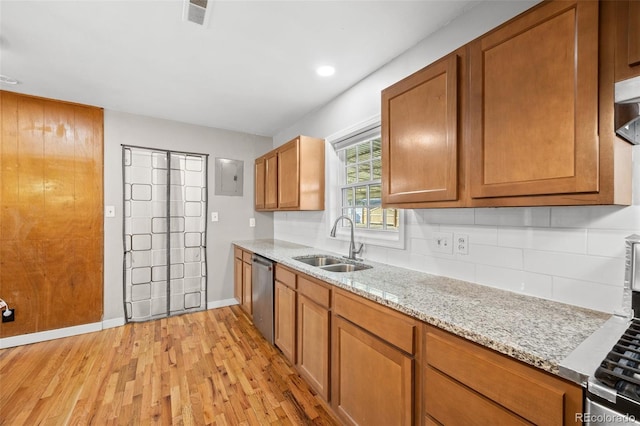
<point>262,262</point>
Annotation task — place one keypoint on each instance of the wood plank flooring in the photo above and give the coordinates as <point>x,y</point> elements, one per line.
<point>210,367</point>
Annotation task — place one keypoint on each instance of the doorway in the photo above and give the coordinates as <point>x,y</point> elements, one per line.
<point>165,207</point>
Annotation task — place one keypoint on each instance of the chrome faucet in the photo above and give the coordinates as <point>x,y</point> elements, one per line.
<point>352,245</point>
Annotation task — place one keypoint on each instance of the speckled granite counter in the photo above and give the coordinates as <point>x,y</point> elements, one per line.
<point>533,330</point>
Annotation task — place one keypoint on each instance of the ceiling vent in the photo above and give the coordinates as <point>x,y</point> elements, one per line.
<point>196,11</point>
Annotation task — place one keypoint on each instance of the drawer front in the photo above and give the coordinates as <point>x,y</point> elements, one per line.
<point>450,403</point>
<point>285,276</point>
<point>528,392</point>
<point>385,323</point>
<point>314,291</point>
<point>247,256</point>
<point>237,253</point>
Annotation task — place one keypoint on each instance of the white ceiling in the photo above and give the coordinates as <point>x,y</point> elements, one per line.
<point>251,69</point>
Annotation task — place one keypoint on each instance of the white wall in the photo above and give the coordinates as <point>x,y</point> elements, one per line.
<point>234,212</point>
<point>569,254</point>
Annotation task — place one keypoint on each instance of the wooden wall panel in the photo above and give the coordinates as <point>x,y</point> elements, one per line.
<point>51,204</point>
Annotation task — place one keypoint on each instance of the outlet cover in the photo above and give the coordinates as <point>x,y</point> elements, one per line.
<point>442,242</point>
<point>461,243</point>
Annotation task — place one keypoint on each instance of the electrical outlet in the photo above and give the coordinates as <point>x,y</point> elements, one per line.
<point>9,318</point>
<point>461,243</point>
<point>252,222</point>
<point>442,242</point>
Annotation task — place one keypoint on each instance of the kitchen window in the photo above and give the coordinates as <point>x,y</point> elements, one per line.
<point>362,186</point>
<point>359,182</point>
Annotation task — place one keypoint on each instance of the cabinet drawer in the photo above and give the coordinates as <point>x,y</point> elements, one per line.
<point>450,403</point>
<point>237,252</point>
<point>395,328</point>
<point>314,291</point>
<point>532,394</point>
<point>285,276</point>
<point>247,256</point>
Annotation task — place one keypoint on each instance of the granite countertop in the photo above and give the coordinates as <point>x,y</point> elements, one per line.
<point>536,331</point>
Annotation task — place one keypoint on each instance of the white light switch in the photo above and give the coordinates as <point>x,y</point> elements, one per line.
<point>214,216</point>
<point>109,211</point>
<point>252,222</point>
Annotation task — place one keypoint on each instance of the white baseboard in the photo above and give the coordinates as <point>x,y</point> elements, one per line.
<point>221,303</point>
<point>112,323</point>
<point>42,336</point>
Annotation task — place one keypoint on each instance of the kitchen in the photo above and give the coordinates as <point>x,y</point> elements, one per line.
<point>572,255</point>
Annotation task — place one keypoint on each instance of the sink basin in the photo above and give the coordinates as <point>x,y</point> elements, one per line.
<point>330,263</point>
<point>345,267</point>
<point>318,260</point>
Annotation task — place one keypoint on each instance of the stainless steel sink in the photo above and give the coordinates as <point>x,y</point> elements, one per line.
<point>330,263</point>
<point>318,260</point>
<point>345,267</point>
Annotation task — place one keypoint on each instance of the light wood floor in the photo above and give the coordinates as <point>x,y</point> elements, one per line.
<point>209,367</point>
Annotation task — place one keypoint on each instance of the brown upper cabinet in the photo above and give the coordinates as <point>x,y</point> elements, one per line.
<point>534,104</point>
<point>270,185</point>
<point>421,140</point>
<point>260,176</point>
<point>627,39</point>
<point>293,177</point>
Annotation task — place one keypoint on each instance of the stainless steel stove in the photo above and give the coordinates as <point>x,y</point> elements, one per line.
<point>613,394</point>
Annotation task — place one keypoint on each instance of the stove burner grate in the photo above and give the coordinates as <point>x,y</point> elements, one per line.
<point>620,370</point>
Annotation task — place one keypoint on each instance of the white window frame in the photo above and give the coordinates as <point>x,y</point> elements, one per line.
<point>354,134</point>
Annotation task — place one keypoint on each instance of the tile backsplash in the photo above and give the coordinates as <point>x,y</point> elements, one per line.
<point>572,255</point>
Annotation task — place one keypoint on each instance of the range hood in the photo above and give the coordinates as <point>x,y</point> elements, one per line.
<point>627,110</point>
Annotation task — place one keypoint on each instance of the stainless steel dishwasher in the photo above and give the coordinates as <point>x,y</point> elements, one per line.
<point>262,283</point>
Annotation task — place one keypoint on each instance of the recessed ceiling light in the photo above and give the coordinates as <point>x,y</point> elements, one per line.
<point>325,70</point>
<point>5,79</point>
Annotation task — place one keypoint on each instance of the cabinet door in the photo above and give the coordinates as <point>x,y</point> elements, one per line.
<point>627,24</point>
<point>237,279</point>
<point>271,182</point>
<point>420,136</point>
<point>633,34</point>
<point>534,104</point>
<point>372,381</point>
<point>260,170</point>
<point>313,344</point>
<point>247,290</point>
<point>492,385</point>
<point>285,320</point>
<point>289,174</point>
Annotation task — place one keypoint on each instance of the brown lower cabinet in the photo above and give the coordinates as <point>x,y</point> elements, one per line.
<point>376,366</point>
<point>242,289</point>
<point>485,387</point>
<point>373,361</point>
<point>372,380</point>
<point>313,344</point>
<point>285,300</point>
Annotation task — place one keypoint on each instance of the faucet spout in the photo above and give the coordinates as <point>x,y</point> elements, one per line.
<point>352,246</point>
